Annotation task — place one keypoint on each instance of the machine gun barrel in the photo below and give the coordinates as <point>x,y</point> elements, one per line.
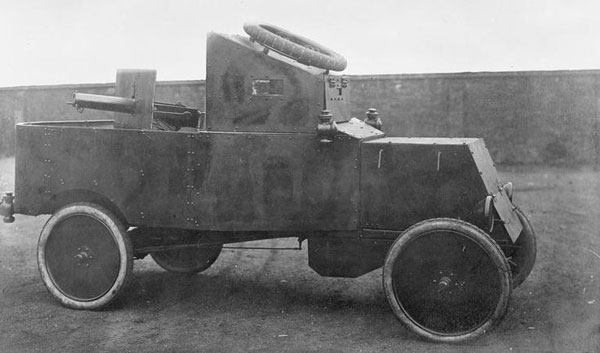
<point>100,102</point>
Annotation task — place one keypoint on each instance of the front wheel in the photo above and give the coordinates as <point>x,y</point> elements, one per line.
<point>84,256</point>
<point>446,280</point>
<point>522,258</point>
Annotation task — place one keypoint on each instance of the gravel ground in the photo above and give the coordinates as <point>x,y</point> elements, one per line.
<point>271,301</point>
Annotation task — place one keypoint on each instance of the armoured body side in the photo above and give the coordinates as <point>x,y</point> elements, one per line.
<point>204,181</point>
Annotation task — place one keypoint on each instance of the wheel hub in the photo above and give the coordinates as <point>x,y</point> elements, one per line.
<point>444,282</point>
<point>84,257</point>
<point>447,281</point>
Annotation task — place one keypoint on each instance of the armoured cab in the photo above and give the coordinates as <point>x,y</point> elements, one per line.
<point>250,88</point>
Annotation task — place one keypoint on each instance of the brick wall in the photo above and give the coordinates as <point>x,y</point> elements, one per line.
<point>525,117</point>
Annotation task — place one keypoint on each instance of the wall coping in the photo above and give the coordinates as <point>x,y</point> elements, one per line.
<point>483,74</point>
<point>451,75</point>
<point>98,85</point>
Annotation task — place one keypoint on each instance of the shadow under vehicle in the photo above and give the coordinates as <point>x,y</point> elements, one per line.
<point>275,154</point>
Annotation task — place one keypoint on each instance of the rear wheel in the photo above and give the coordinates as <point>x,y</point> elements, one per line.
<point>447,280</point>
<point>84,256</point>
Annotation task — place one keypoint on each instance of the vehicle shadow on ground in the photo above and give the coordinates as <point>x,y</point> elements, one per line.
<point>162,289</point>
<point>230,299</point>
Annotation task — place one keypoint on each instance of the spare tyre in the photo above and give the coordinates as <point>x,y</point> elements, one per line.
<point>301,49</point>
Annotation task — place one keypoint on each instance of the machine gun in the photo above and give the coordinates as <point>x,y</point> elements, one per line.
<point>135,107</point>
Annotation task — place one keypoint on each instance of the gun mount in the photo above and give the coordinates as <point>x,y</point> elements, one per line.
<point>136,108</point>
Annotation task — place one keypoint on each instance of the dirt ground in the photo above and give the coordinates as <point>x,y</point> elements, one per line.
<point>271,301</point>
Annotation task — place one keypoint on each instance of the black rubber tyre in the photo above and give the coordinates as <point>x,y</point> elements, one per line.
<point>447,280</point>
<point>187,260</point>
<point>522,259</point>
<point>301,49</point>
<point>84,256</point>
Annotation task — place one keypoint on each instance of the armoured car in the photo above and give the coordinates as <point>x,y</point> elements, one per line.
<point>276,153</point>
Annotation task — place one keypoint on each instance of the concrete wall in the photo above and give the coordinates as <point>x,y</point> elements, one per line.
<point>525,117</point>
